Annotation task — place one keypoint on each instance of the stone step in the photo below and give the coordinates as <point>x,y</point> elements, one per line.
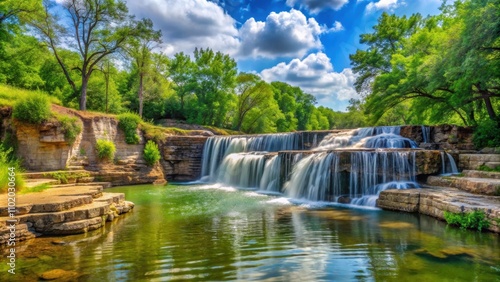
<point>102,184</point>
<point>111,198</point>
<point>52,200</point>
<point>481,174</point>
<point>30,183</point>
<point>76,167</point>
<point>474,161</point>
<point>42,222</point>
<point>46,174</point>
<point>483,186</point>
<point>434,201</point>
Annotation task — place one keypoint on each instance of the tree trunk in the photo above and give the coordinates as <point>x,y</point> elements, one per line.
<point>489,108</point>
<point>83,96</point>
<point>141,78</point>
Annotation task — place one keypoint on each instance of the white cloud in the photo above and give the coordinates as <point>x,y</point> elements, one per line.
<point>315,75</point>
<point>316,6</point>
<point>388,5</point>
<point>188,24</point>
<point>283,34</point>
<point>337,26</point>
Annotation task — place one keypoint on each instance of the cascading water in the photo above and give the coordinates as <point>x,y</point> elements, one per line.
<point>448,165</point>
<point>217,148</point>
<point>349,166</point>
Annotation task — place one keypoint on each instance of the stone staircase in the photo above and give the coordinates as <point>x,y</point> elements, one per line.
<point>471,190</point>
<point>61,210</point>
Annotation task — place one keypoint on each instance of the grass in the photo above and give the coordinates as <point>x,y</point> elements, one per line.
<point>64,177</point>
<point>38,188</point>
<point>10,95</point>
<point>489,169</point>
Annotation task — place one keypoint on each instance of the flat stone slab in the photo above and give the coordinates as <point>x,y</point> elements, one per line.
<point>30,183</point>
<point>483,186</point>
<point>51,200</point>
<point>481,174</point>
<point>436,200</point>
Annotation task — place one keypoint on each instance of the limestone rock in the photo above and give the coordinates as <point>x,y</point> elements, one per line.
<point>60,274</point>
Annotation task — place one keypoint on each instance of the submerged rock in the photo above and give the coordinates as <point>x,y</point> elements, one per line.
<point>59,274</point>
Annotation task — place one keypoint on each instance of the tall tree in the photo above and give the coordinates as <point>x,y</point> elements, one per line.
<point>182,70</point>
<point>215,79</point>
<point>96,30</point>
<point>140,49</point>
<point>254,95</point>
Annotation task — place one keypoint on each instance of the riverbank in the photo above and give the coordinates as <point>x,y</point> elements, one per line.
<point>60,210</point>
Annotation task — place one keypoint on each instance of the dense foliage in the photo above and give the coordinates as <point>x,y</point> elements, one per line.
<point>439,69</point>
<point>105,149</point>
<point>32,109</point>
<point>471,220</point>
<point>129,122</point>
<point>10,165</point>
<point>151,153</point>
<point>71,127</point>
<point>414,70</point>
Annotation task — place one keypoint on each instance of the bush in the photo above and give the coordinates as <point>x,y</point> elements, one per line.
<point>32,109</point>
<point>472,220</point>
<point>70,126</point>
<point>9,164</point>
<point>105,149</point>
<point>487,134</point>
<point>151,153</point>
<point>129,122</point>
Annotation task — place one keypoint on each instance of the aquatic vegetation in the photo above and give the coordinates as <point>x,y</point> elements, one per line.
<point>471,220</point>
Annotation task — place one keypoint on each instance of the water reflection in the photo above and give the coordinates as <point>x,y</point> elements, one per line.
<point>206,234</point>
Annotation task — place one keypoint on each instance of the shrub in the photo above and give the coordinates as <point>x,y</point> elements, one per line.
<point>32,109</point>
<point>487,134</point>
<point>472,220</point>
<point>151,153</point>
<point>7,164</point>
<point>128,122</point>
<point>70,126</point>
<point>105,149</point>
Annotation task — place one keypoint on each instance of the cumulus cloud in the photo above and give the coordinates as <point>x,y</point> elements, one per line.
<point>316,6</point>
<point>315,75</point>
<point>388,5</point>
<point>283,34</point>
<point>188,24</point>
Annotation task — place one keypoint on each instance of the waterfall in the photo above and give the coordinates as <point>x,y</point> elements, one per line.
<point>426,134</point>
<point>242,170</point>
<point>448,165</point>
<point>218,147</point>
<point>318,177</point>
<point>271,178</point>
<point>315,177</point>
<point>369,137</point>
<point>373,172</point>
<point>329,172</point>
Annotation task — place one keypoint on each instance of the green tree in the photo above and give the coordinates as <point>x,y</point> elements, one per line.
<point>182,70</point>
<point>257,111</point>
<point>96,30</point>
<point>140,49</point>
<point>215,79</point>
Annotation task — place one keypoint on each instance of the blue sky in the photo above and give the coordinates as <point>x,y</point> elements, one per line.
<point>305,43</point>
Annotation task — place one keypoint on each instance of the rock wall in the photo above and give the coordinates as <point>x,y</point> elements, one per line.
<point>434,202</point>
<point>44,148</point>
<point>445,137</point>
<point>181,157</point>
<point>474,161</point>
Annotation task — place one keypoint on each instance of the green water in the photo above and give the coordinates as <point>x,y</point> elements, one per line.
<point>190,233</point>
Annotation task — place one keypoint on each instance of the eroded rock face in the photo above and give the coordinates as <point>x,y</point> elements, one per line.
<point>447,137</point>
<point>474,161</point>
<point>181,157</point>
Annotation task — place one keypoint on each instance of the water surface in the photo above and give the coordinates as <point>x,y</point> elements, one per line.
<point>196,233</point>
